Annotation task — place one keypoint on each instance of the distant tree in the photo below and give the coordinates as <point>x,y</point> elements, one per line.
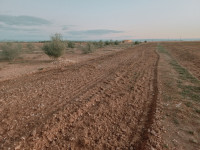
<point>55,47</point>
<point>111,42</point>
<point>94,43</point>
<point>101,44</point>
<point>71,44</point>
<point>116,42</point>
<point>107,43</point>
<point>136,42</point>
<point>89,48</point>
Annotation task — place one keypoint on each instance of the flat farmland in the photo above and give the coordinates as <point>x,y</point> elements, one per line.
<point>140,97</point>
<point>106,102</point>
<point>188,54</point>
<point>179,70</point>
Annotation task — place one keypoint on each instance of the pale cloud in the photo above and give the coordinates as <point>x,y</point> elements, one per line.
<point>14,28</point>
<point>94,32</point>
<point>67,27</point>
<point>23,20</point>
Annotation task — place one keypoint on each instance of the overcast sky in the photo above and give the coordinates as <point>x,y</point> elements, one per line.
<point>99,19</point>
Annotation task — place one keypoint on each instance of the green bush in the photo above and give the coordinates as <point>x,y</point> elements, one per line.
<point>111,42</point>
<point>101,44</point>
<point>107,43</point>
<point>89,48</point>
<point>116,42</point>
<point>71,44</point>
<point>11,51</point>
<point>54,48</point>
<point>136,42</point>
<point>94,43</point>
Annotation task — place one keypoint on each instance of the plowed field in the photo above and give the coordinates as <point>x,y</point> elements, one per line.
<point>104,103</point>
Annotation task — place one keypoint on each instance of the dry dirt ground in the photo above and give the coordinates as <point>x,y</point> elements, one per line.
<point>137,98</point>
<point>179,70</point>
<point>188,54</point>
<point>104,103</point>
<point>32,60</point>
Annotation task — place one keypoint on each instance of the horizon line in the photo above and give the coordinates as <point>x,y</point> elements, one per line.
<point>142,39</point>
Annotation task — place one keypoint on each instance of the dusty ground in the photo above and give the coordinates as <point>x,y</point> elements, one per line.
<point>178,73</point>
<point>106,102</point>
<point>187,54</point>
<point>33,60</point>
<point>142,97</point>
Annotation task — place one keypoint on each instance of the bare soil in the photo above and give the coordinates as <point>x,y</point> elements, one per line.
<point>34,60</point>
<point>138,98</point>
<point>187,54</point>
<point>180,92</point>
<point>108,102</point>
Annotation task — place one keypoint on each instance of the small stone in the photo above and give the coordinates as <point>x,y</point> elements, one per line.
<point>131,148</point>
<point>34,132</point>
<point>1,130</point>
<point>193,141</point>
<point>18,147</point>
<point>152,148</point>
<point>153,132</point>
<point>71,120</point>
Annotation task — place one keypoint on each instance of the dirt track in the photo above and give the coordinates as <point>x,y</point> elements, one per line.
<point>107,102</point>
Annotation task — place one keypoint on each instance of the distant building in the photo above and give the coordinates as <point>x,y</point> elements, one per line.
<point>127,41</point>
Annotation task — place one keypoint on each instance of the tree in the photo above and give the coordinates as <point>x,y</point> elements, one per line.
<point>101,44</point>
<point>137,42</point>
<point>107,43</point>
<point>55,47</point>
<point>71,44</point>
<point>88,49</point>
<point>116,42</point>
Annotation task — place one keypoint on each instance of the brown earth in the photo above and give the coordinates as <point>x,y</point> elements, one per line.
<point>115,98</point>
<point>108,102</point>
<point>34,60</point>
<point>187,54</point>
<point>180,92</point>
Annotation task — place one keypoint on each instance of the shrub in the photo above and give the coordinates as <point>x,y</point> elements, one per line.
<point>71,44</point>
<point>55,47</point>
<point>136,42</point>
<point>89,48</point>
<point>11,51</point>
<point>111,42</point>
<point>101,44</point>
<point>116,42</point>
<point>107,43</point>
<point>94,43</point>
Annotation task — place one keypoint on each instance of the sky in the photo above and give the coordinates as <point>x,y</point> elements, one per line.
<point>32,20</point>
